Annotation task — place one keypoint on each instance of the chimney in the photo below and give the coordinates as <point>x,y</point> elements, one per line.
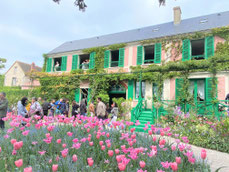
<point>177,15</point>
<point>33,66</point>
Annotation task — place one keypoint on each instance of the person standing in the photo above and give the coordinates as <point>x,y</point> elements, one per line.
<point>35,108</point>
<point>92,109</point>
<point>63,107</point>
<point>58,105</point>
<point>3,108</point>
<point>83,107</point>
<point>46,106</point>
<point>75,107</point>
<point>101,109</point>
<point>114,112</point>
<point>21,109</point>
<point>52,110</point>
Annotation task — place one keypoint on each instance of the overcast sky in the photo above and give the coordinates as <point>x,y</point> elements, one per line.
<point>29,28</point>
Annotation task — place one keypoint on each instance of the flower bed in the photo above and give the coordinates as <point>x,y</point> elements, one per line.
<point>65,144</point>
<point>201,131</point>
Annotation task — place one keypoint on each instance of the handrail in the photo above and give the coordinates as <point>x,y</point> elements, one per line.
<point>137,110</point>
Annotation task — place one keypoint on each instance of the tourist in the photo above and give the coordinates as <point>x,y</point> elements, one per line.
<point>75,108</point>
<point>92,109</point>
<point>3,108</point>
<point>58,104</point>
<point>46,106</point>
<point>114,112</point>
<point>35,108</point>
<point>83,107</point>
<point>63,107</point>
<point>57,65</point>
<point>227,98</point>
<point>52,109</point>
<point>21,109</point>
<point>67,108</point>
<point>101,109</point>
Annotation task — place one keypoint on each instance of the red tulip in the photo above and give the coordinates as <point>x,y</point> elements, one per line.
<point>54,167</point>
<point>19,163</point>
<point>74,158</point>
<point>110,153</point>
<point>90,162</point>
<point>28,169</point>
<point>121,166</point>
<point>142,164</point>
<point>178,160</point>
<point>203,154</point>
<point>174,166</point>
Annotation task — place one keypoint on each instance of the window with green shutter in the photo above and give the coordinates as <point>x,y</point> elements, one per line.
<point>49,65</point>
<point>77,95</point>
<point>209,47</point>
<point>92,60</point>
<point>75,62</point>
<point>139,55</point>
<point>106,58</point>
<point>197,49</point>
<point>208,89</point>
<point>121,57</point>
<point>64,63</point>
<point>186,55</point>
<point>131,89</point>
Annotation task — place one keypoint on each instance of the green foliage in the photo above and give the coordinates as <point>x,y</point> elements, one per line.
<point>2,77</point>
<point>2,62</point>
<point>104,96</point>
<point>124,107</point>
<point>14,94</point>
<point>45,56</point>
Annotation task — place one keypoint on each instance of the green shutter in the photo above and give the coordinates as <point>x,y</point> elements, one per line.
<point>179,85</point>
<point>157,52</point>
<point>121,57</point>
<point>186,53</point>
<point>209,47</point>
<point>75,62</point>
<point>106,58</point>
<point>139,55</point>
<point>92,61</point>
<point>208,89</point>
<point>49,65</point>
<point>89,96</point>
<point>64,63</point>
<point>77,95</point>
<point>131,89</point>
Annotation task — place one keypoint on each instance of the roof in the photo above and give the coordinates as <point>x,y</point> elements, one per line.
<point>25,67</point>
<point>167,29</point>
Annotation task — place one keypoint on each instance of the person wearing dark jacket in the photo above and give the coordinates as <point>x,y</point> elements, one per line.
<point>46,106</point>
<point>3,108</point>
<point>75,107</point>
<point>83,107</point>
<point>63,107</point>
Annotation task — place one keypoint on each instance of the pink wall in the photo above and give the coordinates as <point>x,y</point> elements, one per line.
<point>217,40</point>
<point>126,58</point>
<point>69,63</point>
<point>163,54</point>
<point>221,88</point>
<point>173,53</point>
<point>134,59</point>
<point>172,89</point>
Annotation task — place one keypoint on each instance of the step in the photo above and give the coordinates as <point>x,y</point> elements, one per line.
<point>145,119</point>
<point>146,112</point>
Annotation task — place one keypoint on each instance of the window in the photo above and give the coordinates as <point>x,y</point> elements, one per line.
<point>137,88</point>
<point>84,61</point>
<point>149,54</point>
<point>14,81</point>
<point>155,92</point>
<point>57,64</point>
<point>114,58</point>
<point>15,70</point>
<point>197,49</point>
<point>197,89</point>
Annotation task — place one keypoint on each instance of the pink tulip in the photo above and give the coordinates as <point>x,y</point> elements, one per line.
<point>150,132</point>
<point>121,166</point>
<point>41,152</point>
<point>47,135</point>
<point>54,167</point>
<point>178,160</point>
<point>117,151</point>
<point>90,162</point>
<point>132,130</point>
<point>154,138</point>
<point>108,135</point>
<point>100,143</point>
<point>19,163</point>
<point>64,145</point>
<point>57,158</point>
<point>133,136</point>
<point>173,147</point>
<point>203,154</point>
<point>162,142</point>
<point>91,143</point>
<point>18,145</point>
<point>142,164</point>
<point>69,134</point>
<point>74,158</point>
<point>58,141</point>
<point>28,169</point>
<point>108,145</point>
<point>13,141</point>
<point>0,149</point>
<point>174,166</point>
<point>103,147</point>
<point>110,153</point>
<point>25,133</point>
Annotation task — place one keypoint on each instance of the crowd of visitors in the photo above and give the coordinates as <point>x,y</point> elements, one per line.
<point>39,107</point>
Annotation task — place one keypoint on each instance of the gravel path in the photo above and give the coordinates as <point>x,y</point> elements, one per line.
<point>214,158</point>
